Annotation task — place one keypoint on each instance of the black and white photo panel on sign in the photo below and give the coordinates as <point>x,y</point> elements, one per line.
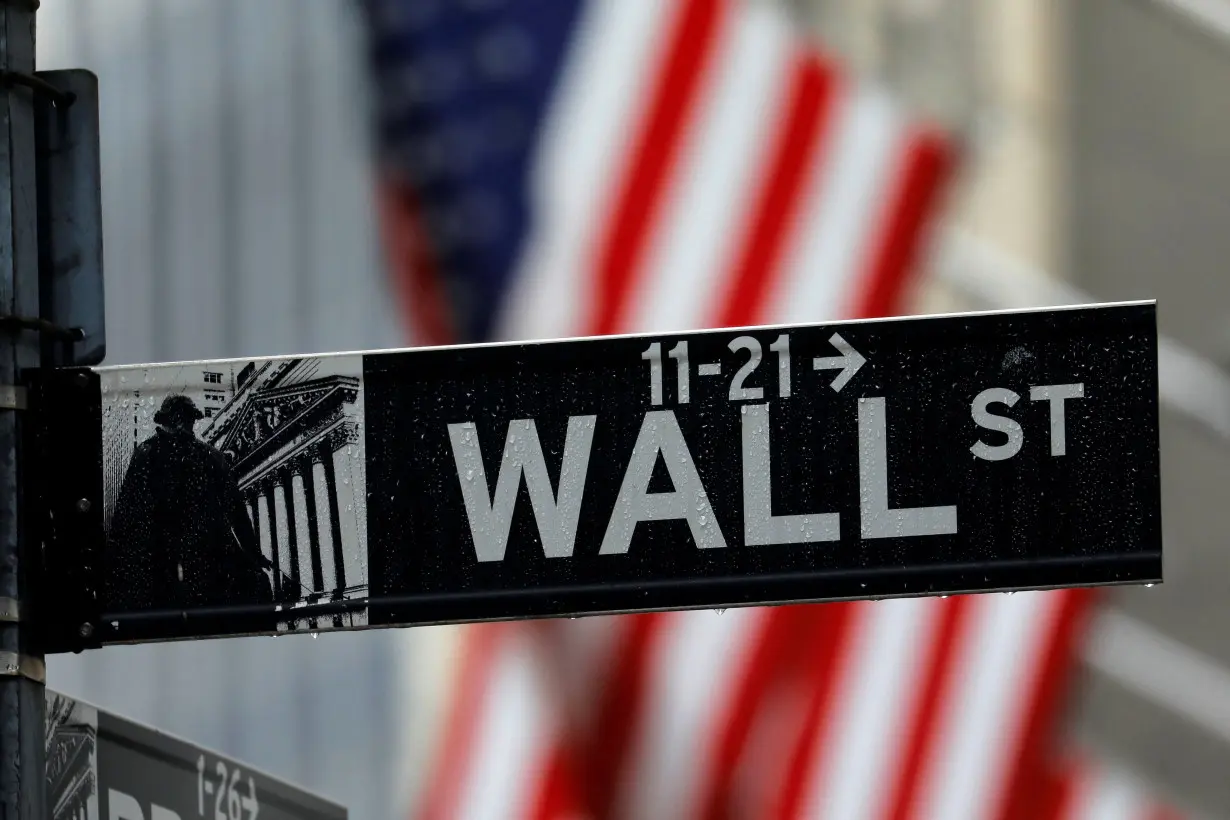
<point>237,484</point>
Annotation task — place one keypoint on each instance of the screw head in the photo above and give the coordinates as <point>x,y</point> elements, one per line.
<point>83,505</point>
<point>82,380</point>
<point>86,630</point>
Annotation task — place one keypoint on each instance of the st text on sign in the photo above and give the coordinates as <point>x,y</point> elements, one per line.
<point>939,455</point>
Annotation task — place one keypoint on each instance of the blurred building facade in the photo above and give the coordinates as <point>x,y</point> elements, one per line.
<point>1099,158</point>
<point>1148,210</point>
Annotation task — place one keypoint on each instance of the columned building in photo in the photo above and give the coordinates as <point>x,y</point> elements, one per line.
<point>71,745</point>
<point>291,432</point>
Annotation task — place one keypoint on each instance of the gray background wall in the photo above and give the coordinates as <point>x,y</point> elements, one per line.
<point>1148,195</point>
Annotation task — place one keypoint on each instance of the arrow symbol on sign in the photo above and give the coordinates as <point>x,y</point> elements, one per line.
<point>848,362</point>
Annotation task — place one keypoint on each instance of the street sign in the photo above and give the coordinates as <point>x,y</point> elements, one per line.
<point>866,459</point>
<point>100,765</point>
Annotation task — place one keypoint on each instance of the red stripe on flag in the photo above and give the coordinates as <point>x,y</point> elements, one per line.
<point>691,44</point>
<point>941,668</point>
<point>473,681</point>
<point>1034,753</point>
<point>823,650</point>
<point>1058,790</point>
<point>779,633</point>
<point>557,796</point>
<point>926,168</point>
<point>412,267</point>
<point>621,711</point>
<point>808,113</point>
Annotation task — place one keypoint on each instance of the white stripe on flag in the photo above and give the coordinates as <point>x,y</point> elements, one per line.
<point>602,90</point>
<point>830,242</point>
<point>513,735</point>
<point>695,662</point>
<point>998,662</point>
<point>721,165</point>
<point>878,695</point>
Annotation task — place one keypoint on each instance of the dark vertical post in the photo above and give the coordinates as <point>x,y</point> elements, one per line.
<point>273,540</point>
<point>22,696</point>
<point>308,467</point>
<point>335,519</point>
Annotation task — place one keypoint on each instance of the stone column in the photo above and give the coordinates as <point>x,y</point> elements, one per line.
<point>325,454</point>
<point>275,553</point>
<point>309,491</point>
<point>253,501</point>
<point>286,478</point>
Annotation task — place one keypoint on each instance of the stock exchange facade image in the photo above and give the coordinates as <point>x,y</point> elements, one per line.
<point>237,484</point>
<point>72,758</point>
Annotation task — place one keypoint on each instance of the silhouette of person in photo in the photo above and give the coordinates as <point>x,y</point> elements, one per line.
<point>180,536</point>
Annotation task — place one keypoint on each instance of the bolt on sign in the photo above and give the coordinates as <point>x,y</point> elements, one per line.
<point>100,765</point>
<point>867,459</point>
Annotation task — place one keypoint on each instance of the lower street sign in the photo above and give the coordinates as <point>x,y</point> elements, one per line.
<point>104,767</point>
<point>940,455</point>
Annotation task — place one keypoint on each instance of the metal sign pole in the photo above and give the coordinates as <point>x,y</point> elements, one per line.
<point>22,695</point>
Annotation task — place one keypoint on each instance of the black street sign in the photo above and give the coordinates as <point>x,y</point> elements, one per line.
<point>965,453</point>
<point>100,765</point>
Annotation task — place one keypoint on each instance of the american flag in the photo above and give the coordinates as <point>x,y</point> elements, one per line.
<point>564,167</point>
